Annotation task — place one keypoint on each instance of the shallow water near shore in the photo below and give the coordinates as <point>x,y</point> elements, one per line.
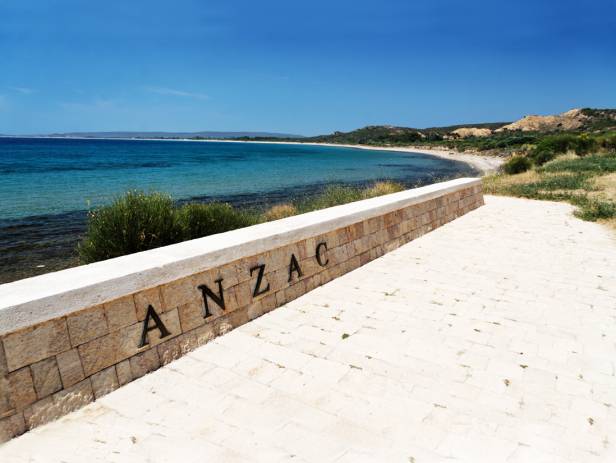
<point>47,185</point>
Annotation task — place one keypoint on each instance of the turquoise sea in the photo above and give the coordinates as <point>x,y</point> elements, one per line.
<point>48,184</point>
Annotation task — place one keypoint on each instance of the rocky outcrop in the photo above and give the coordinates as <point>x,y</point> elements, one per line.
<point>466,132</point>
<point>570,120</point>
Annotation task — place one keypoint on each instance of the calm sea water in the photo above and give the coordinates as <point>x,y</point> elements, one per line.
<point>46,185</point>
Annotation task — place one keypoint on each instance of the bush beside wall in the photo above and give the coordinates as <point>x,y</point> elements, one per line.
<point>139,221</point>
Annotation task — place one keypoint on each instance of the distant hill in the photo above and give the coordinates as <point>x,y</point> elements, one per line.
<point>576,120</point>
<point>392,135</point>
<point>373,134</point>
<point>521,131</point>
<point>171,135</point>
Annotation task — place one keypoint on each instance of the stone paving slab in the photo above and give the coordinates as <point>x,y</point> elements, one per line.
<point>490,339</point>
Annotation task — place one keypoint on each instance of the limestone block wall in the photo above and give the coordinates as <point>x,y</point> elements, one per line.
<point>70,337</point>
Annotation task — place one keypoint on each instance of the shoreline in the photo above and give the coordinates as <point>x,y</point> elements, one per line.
<point>484,164</point>
<point>56,235</point>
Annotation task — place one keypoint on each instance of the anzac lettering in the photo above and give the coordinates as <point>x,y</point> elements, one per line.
<point>319,255</point>
<point>261,287</point>
<point>217,298</point>
<point>151,315</point>
<point>294,267</point>
<point>258,291</point>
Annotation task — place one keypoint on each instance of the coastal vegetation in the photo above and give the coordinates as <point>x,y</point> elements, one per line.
<point>139,221</point>
<point>574,166</point>
<point>564,157</point>
<point>196,220</point>
<point>133,223</point>
<point>516,165</point>
<point>333,195</point>
<point>586,181</point>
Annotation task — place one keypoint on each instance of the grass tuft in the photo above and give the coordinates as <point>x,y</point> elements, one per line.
<point>382,188</point>
<point>279,211</point>
<point>333,195</point>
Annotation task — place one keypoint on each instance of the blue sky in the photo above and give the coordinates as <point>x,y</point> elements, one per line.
<point>298,67</point>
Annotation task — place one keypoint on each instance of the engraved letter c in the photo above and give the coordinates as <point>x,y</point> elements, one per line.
<point>319,256</point>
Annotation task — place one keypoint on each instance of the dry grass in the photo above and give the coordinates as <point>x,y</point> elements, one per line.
<point>610,223</point>
<point>382,188</point>
<point>280,211</point>
<point>563,157</point>
<point>588,182</point>
<point>606,184</point>
<point>606,190</point>
<point>494,184</point>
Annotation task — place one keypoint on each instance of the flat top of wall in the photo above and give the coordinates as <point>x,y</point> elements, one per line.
<point>34,300</point>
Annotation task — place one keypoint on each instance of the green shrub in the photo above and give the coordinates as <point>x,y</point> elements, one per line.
<point>608,142</point>
<point>594,209</point>
<point>540,157</point>
<point>598,164</point>
<point>585,145</point>
<point>132,223</point>
<point>516,165</point>
<point>199,220</point>
<point>582,144</point>
<point>559,144</point>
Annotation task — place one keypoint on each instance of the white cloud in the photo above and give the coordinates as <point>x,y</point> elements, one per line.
<point>174,92</point>
<point>23,90</point>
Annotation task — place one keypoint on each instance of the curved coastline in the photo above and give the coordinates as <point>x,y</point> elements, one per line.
<point>484,164</point>
<point>39,243</point>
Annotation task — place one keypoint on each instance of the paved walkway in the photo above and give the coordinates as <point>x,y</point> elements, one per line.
<point>490,339</point>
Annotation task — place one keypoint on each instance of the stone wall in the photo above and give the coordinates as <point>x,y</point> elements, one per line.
<point>71,337</point>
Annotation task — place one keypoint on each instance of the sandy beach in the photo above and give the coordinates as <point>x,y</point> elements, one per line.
<point>485,164</point>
